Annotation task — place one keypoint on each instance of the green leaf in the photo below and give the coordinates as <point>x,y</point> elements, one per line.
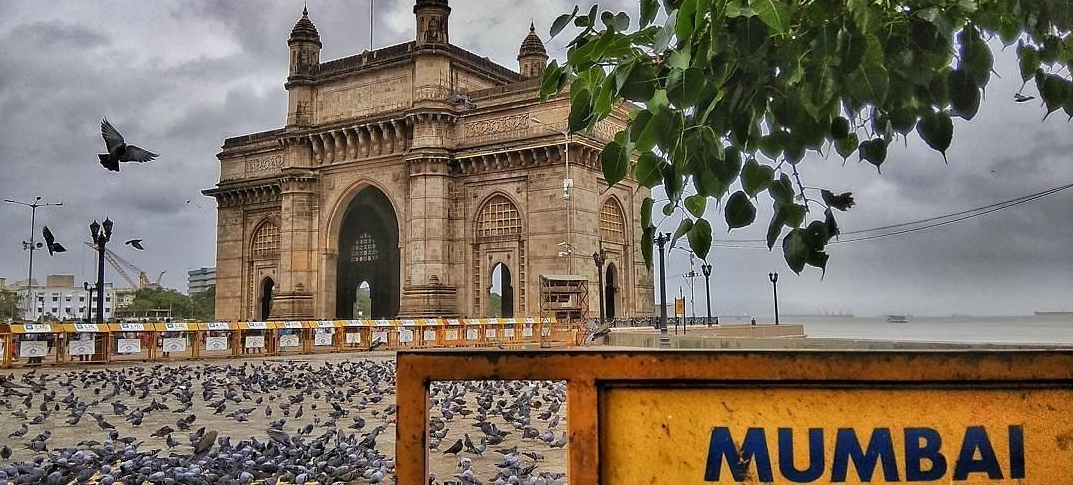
<point>851,48</point>
<point>846,146</point>
<point>782,190</point>
<point>830,223</point>
<point>668,209</point>
<point>683,228</point>
<point>1054,92</point>
<point>839,127</point>
<point>648,170</point>
<point>562,21</point>
<point>580,110</point>
<point>684,87</point>
<point>551,81</point>
<point>728,168</point>
<point>646,212</point>
<point>687,11</point>
<point>756,178</point>
<point>964,94</point>
<point>648,12</point>
<point>868,83</point>
<point>774,227</point>
<point>644,131</point>
<point>795,214</point>
<point>740,211</point>
<point>615,160</point>
<point>700,238</point>
<point>795,250</point>
<point>841,201</point>
<point>976,58</point>
<point>874,151</point>
<point>695,204</point>
<point>640,84</point>
<point>774,13</point>
<point>937,131</point>
<point>709,185</point>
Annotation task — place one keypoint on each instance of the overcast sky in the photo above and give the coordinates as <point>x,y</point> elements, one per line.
<point>178,77</point>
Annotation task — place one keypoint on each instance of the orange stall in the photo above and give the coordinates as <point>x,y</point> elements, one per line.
<point>453,331</point>
<point>355,334</point>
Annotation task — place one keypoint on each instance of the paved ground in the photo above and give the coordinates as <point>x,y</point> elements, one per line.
<point>362,385</point>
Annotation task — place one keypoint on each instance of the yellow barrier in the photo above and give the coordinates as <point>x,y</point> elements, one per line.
<point>56,343</point>
<point>779,416</point>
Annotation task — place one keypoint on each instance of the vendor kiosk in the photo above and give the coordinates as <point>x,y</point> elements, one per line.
<point>256,338</point>
<point>176,340</point>
<point>290,336</point>
<point>131,341</point>
<point>219,339</point>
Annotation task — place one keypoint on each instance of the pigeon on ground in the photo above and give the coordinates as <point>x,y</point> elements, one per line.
<point>50,242</point>
<point>135,243</point>
<point>119,150</point>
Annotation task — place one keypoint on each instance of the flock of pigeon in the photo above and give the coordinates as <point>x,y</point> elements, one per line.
<point>268,422</point>
<point>118,152</point>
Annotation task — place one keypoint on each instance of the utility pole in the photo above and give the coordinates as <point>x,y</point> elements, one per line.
<point>32,246</point>
<point>691,275</point>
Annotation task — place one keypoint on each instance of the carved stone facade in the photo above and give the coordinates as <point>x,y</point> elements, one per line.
<point>415,171</point>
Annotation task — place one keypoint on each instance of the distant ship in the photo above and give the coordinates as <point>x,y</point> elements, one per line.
<point>1054,314</point>
<point>897,319</point>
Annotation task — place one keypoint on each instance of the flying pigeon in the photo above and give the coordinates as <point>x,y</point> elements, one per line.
<point>118,150</point>
<point>50,242</point>
<point>135,243</point>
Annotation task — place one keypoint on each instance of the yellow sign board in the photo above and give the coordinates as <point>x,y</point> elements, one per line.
<point>680,306</point>
<point>789,434</point>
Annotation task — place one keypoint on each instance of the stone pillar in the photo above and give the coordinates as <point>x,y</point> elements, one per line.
<point>293,299</point>
<point>428,290</point>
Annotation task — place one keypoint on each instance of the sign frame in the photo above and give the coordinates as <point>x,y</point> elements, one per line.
<point>589,372</point>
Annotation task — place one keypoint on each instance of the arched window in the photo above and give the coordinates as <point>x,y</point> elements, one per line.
<point>612,222</point>
<point>364,249</point>
<point>499,217</point>
<point>266,240</point>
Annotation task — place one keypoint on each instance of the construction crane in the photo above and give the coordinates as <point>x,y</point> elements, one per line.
<point>122,266</point>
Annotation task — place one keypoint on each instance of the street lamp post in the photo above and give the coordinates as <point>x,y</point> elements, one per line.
<point>100,239</point>
<point>568,183</point>
<point>774,277</point>
<point>89,303</point>
<point>664,338</point>
<point>599,257</point>
<point>707,270</point>
<point>32,246</point>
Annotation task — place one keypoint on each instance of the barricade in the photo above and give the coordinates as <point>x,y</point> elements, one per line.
<point>5,344</point>
<point>219,339</point>
<point>291,337</point>
<point>176,340</point>
<point>130,342</point>
<point>356,335</point>
<point>454,332</point>
<point>406,334</point>
<point>255,338</point>
<point>381,338</point>
<point>529,332</point>
<point>326,336</point>
<point>509,332</point>
<point>431,331</point>
<point>35,343</point>
<point>471,334</point>
<point>559,334</point>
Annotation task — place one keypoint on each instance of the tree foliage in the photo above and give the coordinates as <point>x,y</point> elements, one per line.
<point>733,93</point>
<point>200,306</point>
<point>9,305</point>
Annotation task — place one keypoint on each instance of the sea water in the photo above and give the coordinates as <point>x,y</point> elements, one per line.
<point>958,328</point>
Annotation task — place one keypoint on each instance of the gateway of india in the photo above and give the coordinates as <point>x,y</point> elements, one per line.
<point>419,171</point>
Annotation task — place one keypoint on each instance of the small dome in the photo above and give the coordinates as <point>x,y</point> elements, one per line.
<point>532,45</point>
<point>305,30</point>
<point>431,3</point>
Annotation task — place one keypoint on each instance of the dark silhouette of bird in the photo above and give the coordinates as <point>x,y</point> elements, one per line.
<point>455,448</point>
<point>5,452</point>
<point>136,244</point>
<point>50,242</point>
<point>1020,98</point>
<point>119,150</point>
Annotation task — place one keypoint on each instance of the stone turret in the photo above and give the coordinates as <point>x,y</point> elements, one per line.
<point>431,22</point>
<point>532,57</point>
<point>305,57</point>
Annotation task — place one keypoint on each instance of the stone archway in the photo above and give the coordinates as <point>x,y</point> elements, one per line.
<point>267,289</point>
<point>368,253</point>
<point>610,291</point>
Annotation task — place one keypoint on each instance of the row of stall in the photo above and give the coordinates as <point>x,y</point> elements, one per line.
<point>36,343</point>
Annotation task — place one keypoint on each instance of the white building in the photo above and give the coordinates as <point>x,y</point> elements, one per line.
<point>200,280</point>
<point>64,301</point>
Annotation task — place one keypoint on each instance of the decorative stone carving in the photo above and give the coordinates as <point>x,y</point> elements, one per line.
<point>497,125</point>
<point>264,164</point>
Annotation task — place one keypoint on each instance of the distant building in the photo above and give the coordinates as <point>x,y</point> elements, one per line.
<point>200,280</point>
<point>61,299</point>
